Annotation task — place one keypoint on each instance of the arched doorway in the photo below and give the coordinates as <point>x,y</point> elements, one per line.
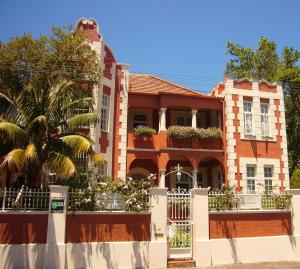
<point>185,181</point>
<point>142,168</point>
<point>210,173</point>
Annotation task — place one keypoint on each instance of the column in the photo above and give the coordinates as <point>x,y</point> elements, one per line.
<point>194,118</point>
<point>200,218</point>
<point>295,211</point>
<point>162,178</point>
<point>195,176</point>
<point>162,119</point>
<point>158,246</point>
<point>55,249</point>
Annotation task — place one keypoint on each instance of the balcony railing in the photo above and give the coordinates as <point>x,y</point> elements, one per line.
<point>164,140</point>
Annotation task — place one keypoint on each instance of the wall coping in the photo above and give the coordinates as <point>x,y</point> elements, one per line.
<point>250,212</point>
<point>9,212</point>
<point>294,191</point>
<point>107,213</point>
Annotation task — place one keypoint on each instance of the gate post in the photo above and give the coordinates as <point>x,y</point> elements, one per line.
<point>295,211</point>
<point>200,218</point>
<point>158,255</point>
<point>55,249</point>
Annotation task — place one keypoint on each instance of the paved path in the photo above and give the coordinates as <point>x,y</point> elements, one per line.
<point>273,265</point>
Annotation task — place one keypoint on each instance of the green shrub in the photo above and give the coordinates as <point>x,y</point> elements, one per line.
<point>144,131</point>
<point>182,132</point>
<point>209,133</point>
<point>295,179</point>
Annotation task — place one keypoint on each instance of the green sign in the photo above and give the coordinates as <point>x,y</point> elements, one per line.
<point>57,205</point>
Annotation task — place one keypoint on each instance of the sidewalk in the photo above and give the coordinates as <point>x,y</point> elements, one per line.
<point>269,265</point>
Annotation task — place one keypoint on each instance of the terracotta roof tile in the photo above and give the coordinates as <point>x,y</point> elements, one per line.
<point>148,84</point>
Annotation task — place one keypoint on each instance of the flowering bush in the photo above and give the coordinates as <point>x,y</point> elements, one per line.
<point>209,133</point>
<point>181,132</point>
<point>144,131</point>
<point>107,194</point>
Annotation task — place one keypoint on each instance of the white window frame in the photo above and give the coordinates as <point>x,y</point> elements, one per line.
<point>264,111</point>
<point>251,178</point>
<point>268,178</point>
<point>248,118</point>
<point>104,112</point>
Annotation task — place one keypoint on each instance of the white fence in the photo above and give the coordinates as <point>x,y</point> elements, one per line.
<point>24,199</point>
<point>218,200</point>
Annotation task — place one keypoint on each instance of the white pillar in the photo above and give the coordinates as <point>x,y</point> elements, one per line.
<point>55,250</point>
<point>200,218</point>
<point>195,175</point>
<point>162,178</point>
<point>194,118</point>
<point>295,211</point>
<point>158,246</point>
<point>162,119</point>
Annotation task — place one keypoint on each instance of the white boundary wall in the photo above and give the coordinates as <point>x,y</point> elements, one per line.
<point>111,255</point>
<point>248,250</point>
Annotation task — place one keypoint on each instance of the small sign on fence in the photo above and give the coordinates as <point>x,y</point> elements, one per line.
<point>57,205</point>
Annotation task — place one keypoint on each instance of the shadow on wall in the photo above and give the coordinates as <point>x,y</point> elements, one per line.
<point>229,230</point>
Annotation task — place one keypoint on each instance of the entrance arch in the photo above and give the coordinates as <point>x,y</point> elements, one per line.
<point>185,181</point>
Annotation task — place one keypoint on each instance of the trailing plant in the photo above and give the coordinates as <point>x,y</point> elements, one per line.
<point>208,133</point>
<point>182,132</point>
<point>144,131</point>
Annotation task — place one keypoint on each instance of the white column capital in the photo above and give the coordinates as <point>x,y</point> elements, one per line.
<point>163,109</point>
<point>194,112</point>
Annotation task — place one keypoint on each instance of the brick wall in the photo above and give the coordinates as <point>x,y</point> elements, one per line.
<point>23,228</point>
<point>107,227</point>
<point>233,225</point>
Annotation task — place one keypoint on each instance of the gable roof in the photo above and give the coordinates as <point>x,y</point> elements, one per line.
<point>148,84</point>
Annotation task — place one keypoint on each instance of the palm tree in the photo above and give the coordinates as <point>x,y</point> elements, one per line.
<point>39,132</point>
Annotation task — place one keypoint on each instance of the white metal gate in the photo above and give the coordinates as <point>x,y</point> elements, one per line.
<point>179,224</point>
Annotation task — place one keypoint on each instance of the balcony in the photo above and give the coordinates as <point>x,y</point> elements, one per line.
<point>175,128</point>
<point>163,141</point>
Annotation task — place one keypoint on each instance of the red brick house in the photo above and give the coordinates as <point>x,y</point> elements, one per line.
<point>251,154</point>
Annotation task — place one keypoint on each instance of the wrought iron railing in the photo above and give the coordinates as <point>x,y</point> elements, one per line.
<point>24,199</point>
<point>220,201</point>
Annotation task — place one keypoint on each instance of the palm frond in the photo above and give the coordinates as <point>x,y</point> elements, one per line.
<point>77,143</point>
<point>63,166</point>
<point>38,125</point>
<point>13,132</point>
<point>59,92</point>
<point>10,110</point>
<point>30,154</point>
<point>82,120</point>
<point>87,101</point>
<point>97,159</point>
<point>14,159</point>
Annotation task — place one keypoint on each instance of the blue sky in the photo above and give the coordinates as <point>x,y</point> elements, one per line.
<point>183,41</point>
